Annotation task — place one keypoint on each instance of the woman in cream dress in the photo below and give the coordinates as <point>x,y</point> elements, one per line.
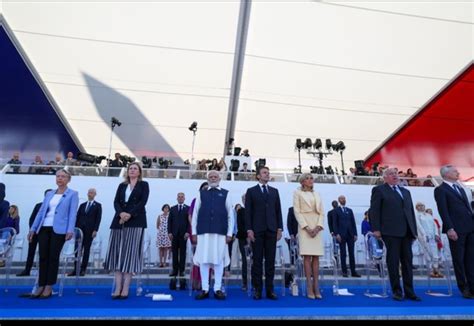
<point>309,213</point>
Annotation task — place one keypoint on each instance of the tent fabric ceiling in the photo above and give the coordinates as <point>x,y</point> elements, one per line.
<point>346,71</point>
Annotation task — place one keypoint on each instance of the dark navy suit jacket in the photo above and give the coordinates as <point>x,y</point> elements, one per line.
<point>455,210</point>
<point>260,214</point>
<point>344,223</point>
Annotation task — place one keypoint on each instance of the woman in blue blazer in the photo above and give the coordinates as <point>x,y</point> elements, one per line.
<point>54,225</point>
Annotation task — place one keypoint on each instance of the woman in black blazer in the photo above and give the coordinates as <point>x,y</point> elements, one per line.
<point>125,250</point>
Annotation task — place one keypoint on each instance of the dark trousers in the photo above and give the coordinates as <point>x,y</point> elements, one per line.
<point>242,243</point>
<point>264,247</point>
<point>462,253</point>
<point>229,246</point>
<point>31,253</point>
<point>50,246</point>
<point>349,240</point>
<point>292,257</point>
<point>178,248</point>
<point>399,252</point>
<point>86,249</point>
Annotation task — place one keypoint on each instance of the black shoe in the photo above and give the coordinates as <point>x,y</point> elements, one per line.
<point>219,295</point>
<point>174,274</point>
<point>257,296</point>
<point>82,273</point>
<point>413,297</point>
<point>397,297</point>
<point>345,275</point>
<point>115,296</point>
<point>71,273</point>
<point>23,273</point>
<point>202,295</point>
<point>272,296</point>
<point>181,274</point>
<point>123,297</point>
<point>355,274</point>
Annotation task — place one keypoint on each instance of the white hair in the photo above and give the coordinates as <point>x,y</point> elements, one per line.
<point>388,170</point>
<point>445,170</point>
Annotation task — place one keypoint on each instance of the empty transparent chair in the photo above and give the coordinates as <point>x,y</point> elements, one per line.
<point>429,261</point>
<point>249,257</point>
<point>96,253</point>
<point>70,254</point>
<point>281,261</point>
<point>7,248</point>
<point>146,264</point>
<point>375,252</point>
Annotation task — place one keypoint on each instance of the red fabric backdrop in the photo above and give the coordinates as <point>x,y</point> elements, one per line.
<point>441,133</point>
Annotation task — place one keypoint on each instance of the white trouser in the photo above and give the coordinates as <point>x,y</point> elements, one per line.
<point>218,273</point>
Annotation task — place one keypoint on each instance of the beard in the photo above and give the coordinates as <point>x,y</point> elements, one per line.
<point>213,185</point>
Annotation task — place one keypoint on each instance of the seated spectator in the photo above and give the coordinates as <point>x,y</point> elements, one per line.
<point>403,181</point>
<point>245,153</point>
<point>221,165</point>
<point>214,165</point>
<point>202,165</point>
<point>428,182</point>
<point>13,219</point>
<point>37,170</point>
<point>117,163</point>
<point>245,168</point>
<point>15,160</point>
<point>70,160</point>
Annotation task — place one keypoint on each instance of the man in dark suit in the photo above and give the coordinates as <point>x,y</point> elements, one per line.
<point>458,223</point>
<point>292,226</point>
<point>33,243</point>
<point>264,224</point>
<point>346,233</point>
<point>88,219</point>
<point>178,224</point>
<point>393,219</point>
<point>331,217</point>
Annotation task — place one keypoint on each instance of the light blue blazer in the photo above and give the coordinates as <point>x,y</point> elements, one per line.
<point>64,216</point>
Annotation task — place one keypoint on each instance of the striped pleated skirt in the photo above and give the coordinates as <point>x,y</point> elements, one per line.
<point>125,250</point>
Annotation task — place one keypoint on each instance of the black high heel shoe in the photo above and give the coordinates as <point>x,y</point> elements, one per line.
<point>116,296</point>
<point>46,296</point>
<point>36,295</point>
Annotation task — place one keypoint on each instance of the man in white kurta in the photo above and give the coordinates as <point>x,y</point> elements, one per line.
<point>212,226</point>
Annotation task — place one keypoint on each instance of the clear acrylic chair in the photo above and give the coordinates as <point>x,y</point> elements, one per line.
<point>146,264</point>
<point>96,253</point>
<point>375,253</point>
<point>7,248</point>
<point>282,265</point>
<point>249,257</point>
<point>429,261</point>
<point>71,253</point>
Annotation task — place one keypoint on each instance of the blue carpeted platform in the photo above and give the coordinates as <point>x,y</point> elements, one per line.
<point>238,305</point>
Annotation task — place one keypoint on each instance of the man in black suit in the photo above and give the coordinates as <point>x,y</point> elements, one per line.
<point>33,243</point>
<point>346,233</point>
<point>88,219</point>
<point>178,224</point>
<point>264,224</point>
<point>392,218</point>
<point>458,223</point>
<point>331,217</point>
<point>292,226</point>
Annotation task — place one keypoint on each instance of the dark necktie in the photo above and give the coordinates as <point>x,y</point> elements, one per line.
<point>180,208</point>
<point>399,192</point>
<point>265,191</point>
<point>88,207</point>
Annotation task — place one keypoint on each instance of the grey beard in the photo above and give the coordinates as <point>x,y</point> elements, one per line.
<point>213,185</point>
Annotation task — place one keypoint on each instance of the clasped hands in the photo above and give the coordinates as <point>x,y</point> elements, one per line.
<point>313,232</point>
<point>124,217</point>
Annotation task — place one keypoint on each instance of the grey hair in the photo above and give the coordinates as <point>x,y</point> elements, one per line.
<point>445,170</point>
<point>388,170</point>
<point>65,172</point>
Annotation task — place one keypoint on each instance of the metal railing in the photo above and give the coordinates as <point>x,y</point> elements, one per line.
<point>191,174</point>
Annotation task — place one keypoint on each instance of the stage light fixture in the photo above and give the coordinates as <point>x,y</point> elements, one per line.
<point>318,144</point>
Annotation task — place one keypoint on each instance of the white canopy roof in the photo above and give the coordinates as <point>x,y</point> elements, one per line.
<point>350,71</point>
